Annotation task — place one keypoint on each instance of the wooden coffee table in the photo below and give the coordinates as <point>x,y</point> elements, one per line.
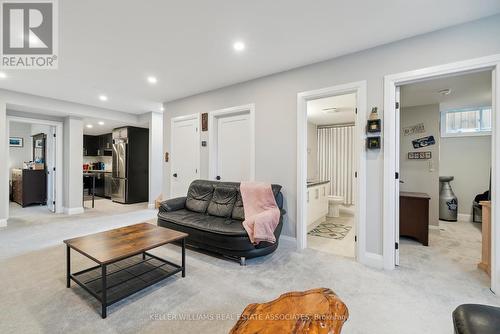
<point>124,265</point>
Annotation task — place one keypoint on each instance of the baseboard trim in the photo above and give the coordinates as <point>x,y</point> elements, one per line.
<point>3,222</point>
<point>464,217</point>
<point>74,211</point>
<point>288,238</point>
<point>372,260</point>
<point>151,205</point>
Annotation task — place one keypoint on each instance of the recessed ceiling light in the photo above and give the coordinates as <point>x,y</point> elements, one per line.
<point>330,110</point>
<point>162,108</point>
<point>90,126</point>
<point>239,46</point>
<point>152,80</point>
<point>3,75</point>
<point>103,97</point>
<point>100,123</point>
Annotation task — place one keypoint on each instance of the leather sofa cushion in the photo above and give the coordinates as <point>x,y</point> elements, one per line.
<point>217,225</point>
<point>222,202</point>
<point>199,196</point>
<point>238,210</point>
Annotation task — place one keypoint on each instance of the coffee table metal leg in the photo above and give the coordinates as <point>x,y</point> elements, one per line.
<point>68,267</point>
<point>184,257</point>
<point>104,292</point>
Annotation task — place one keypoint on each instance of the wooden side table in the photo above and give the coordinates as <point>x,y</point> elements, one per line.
<point>486,235</point>
<point>312,312</point>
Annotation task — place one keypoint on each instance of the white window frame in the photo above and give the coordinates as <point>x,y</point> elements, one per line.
<point>444,134</point>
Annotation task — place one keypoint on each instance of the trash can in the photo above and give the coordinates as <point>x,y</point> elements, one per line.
<point>448,203</point>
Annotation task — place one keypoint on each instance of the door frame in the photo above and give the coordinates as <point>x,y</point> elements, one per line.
<point>58,187</point>
<point>213,117</point>
<point>195,116</point>
<point>360,162</point>
<point>390,154</point>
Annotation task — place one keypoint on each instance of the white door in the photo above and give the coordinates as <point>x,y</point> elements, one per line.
<point>51,169</point>
<point>234,148</point>
<point>396,200</point>
<point>185,155</point>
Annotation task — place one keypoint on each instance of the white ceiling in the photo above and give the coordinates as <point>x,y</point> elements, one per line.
<point>344,113</point>
<point>468,90</point>
<point>107,127</point>
<point>110,47</point>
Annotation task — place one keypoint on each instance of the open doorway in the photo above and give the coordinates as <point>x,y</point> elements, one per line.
<point>445,170</point>
<point>319,196</point>
<point>331,168</point>
<point>35,184</point>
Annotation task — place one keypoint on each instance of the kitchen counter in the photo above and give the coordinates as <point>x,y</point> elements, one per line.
<point>95,171</point>
<point>316,183</point>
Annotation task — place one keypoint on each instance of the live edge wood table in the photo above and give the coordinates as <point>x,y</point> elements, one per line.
<point>124,265</point>
<point>316,311</point>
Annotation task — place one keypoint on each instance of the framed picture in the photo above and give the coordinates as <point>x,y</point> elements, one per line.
<point>420,155</point>
<point>16,142</point>
<point>373,143</point>
<point>39,143</point>
<point>374,125</point>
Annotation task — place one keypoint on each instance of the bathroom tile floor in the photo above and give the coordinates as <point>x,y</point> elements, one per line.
<point>344,247</point>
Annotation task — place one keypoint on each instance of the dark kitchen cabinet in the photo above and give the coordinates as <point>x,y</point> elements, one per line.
<point>90,145</point>
<point>97,145</point>
<point>99,184</point>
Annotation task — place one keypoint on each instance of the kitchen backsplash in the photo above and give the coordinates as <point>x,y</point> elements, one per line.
<point>108,161</point>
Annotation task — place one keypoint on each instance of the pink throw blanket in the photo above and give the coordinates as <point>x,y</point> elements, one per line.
<point>262,215</point>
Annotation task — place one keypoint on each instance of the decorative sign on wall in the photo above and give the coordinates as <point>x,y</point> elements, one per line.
<point>420,155</point>
<point>423,142</point>
<point>374,125</point>
<point>373,142</point>
<point>418,128</point>
<point>204,122</point>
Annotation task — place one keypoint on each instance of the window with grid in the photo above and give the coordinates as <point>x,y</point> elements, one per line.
<point>466,122</point>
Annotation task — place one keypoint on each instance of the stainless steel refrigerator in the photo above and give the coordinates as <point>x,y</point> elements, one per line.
<point>130,165</point>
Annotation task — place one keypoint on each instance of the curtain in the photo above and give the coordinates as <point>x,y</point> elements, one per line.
<point>336,160</point>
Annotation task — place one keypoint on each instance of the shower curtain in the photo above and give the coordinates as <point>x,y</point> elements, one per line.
<point>336,160</point>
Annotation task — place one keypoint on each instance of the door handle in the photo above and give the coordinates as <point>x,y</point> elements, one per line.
<point>217,178</point>
<point>174,175</point>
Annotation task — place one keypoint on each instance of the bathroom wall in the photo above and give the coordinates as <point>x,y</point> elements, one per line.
<point>312,151</point>
<point>421,175</point>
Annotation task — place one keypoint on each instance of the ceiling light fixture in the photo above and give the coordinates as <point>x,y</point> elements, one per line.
<point>162,108</point>
<point>152,80</point>
<point>330,110</point>
<point>445,92</point>
<point>90,126</point>
<point>3,75</point>
<point>100,123</point>
<point>103,97</point>
<point>239,46</point>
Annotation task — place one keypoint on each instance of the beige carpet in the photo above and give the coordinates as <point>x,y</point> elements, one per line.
<point>417,298</point>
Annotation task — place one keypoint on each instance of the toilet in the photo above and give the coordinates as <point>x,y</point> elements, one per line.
<point>334,203</point>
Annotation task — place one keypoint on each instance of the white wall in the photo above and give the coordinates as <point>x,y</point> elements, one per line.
<point>73,164</point>
<point>18,155</point>
<point>421,175</point>
<point>155,156</point>
<point>468,159</point>
<point>312,151</point>
<point>275,99</point>
<point>4,168</point>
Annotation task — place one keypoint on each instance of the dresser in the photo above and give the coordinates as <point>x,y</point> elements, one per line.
<point>29,186</point>
<point>414,216</point>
